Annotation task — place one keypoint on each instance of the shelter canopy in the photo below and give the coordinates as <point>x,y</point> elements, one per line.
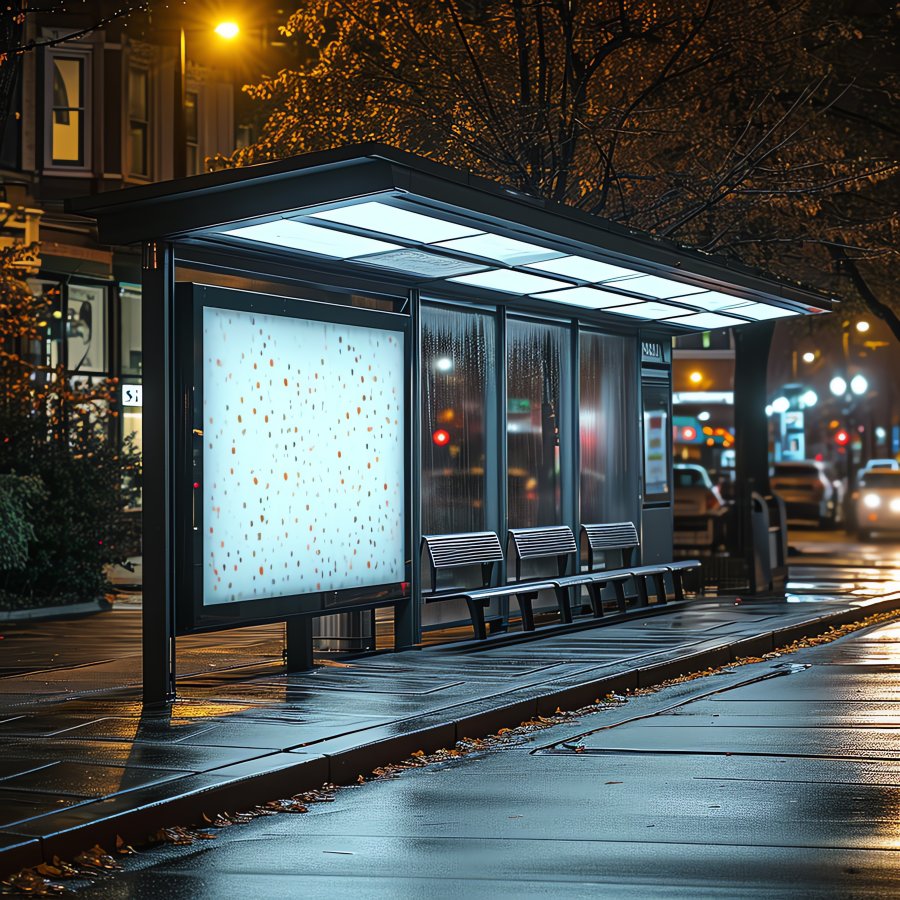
<point>372,211</point>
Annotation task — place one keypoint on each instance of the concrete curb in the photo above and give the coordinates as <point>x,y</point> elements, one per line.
<point>70,610</point>
<point>342,761</point>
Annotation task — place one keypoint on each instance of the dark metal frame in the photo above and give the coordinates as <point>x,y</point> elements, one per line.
<point>192,615</point>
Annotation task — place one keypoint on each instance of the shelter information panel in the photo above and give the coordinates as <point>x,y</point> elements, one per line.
<point>303,456</point>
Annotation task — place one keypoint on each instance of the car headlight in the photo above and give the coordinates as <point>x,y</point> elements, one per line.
<point>872,501</point>
<point>895,505</point>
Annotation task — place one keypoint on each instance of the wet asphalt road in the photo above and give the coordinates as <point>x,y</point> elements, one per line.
<point>777,779</point>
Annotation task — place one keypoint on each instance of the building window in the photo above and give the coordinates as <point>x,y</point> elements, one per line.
<point>191,132</point>
<point>139,121</point>
<point>46,350</point>
<point>130,305</point>
<point>68,89</point>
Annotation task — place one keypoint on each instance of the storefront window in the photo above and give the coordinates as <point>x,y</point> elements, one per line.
<point>130,306</point>
<point>608,428</point>
<point>538,379</point>
<point>458,390</point>
<point>86,328</point>
<point>48,350</point>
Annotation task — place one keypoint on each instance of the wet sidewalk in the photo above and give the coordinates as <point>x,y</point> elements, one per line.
<point>83,763</point>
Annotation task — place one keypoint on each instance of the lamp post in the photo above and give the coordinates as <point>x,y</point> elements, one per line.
<point>226,31</point>
<point>849,393</point>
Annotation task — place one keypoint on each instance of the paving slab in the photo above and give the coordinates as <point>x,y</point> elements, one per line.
<point>83,760</point>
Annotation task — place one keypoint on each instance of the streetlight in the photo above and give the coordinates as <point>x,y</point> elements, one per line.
<point>837,386</point>
<point>809,398</point>
<point>849,393</point>
<point>226,31</point>
<point>859,385</point>
<point>809,357</point>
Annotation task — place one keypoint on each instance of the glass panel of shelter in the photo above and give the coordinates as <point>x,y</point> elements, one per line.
<point>552,418</point>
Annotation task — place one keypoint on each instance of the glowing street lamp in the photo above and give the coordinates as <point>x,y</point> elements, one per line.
<point>227,30</point>
<point>781,404</point>
<point>837,386</point>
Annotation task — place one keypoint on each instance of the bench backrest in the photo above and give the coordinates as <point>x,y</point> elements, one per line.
<point>621,536</point>
<point>447,551</point>
<point>541,543</point>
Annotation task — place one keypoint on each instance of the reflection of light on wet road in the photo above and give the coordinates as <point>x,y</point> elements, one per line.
<point>833,565</point>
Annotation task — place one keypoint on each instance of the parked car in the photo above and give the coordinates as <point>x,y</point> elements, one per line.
<point>809,491</point>
<point>876,464</point>
<point>877,500</point>
<point>698,507</point>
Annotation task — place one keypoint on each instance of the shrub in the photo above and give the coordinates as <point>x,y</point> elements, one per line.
<point>70,480</point>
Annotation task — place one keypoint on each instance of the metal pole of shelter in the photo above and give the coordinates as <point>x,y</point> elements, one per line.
<point>157,609</point>
<point>407,614</point>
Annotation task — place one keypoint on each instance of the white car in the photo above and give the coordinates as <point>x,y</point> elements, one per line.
<point>878,502</point>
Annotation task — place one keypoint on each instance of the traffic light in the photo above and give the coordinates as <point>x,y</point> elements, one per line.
<point>842,437</point>
<point>441,437</point>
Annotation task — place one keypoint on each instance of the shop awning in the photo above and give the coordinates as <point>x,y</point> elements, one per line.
<point>374,211</point>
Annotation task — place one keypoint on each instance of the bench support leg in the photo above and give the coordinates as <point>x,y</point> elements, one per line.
<point>525,601</point>
<point>640,582</point>
<point>562,600</point>
<point>659,582</point>
<point>476,611</point>
<point>594,592</point>
<point>678,582</point>
<point>619,588</point>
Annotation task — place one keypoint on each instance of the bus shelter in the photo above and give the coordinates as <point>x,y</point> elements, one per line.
<point>347,350</point>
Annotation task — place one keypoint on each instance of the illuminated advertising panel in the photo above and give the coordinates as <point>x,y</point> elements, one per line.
<point>299,453</point>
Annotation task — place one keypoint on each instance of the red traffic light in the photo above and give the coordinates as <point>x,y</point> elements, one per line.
<point>441,437</point>
<point>688,433</point>
<point>841,437</point>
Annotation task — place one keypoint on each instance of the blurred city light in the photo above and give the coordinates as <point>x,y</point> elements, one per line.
<point>809,357</point>
<point>859,385</point>
<point>862,326</point>
<point>703,416</point>
<point>837,386</point>
<point>809,398</point>
<point>695,377</point>
<point>781,404</point>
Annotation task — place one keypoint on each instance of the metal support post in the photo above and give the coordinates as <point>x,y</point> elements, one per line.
<point>407,616</point>
<point>157,609</point>
<point>298,648</point>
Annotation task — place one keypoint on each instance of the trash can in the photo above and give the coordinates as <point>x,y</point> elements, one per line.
<point>345,632</point>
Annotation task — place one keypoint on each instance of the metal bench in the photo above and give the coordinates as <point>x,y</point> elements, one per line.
<point>622,538</point>
<point>559,541</point>
<point>447,551</point>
